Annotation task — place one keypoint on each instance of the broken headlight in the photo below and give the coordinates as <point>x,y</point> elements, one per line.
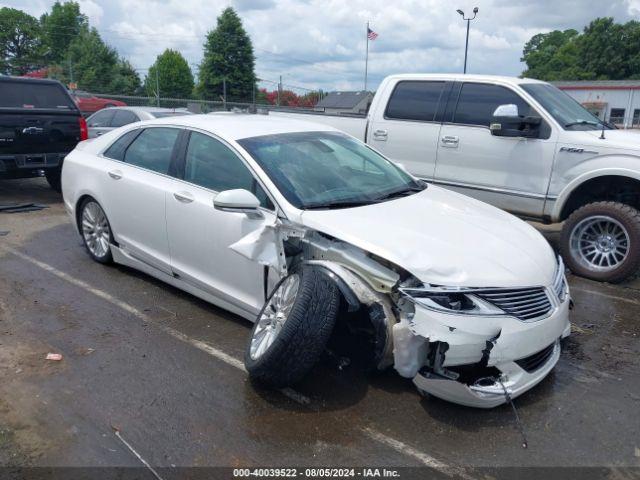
<point>451,301</point>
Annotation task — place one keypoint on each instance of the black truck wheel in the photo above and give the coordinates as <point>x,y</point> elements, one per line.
<point>293,328</point>
<point>53,177</point>
<point>601,241</point>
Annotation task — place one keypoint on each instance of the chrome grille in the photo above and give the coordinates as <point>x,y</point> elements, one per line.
<point>522,303</point>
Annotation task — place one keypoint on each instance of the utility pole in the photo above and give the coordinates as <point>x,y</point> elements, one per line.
<point>466,45</point>
<point>279,89</point>
<point>224,92</point>
<point>157,85</point>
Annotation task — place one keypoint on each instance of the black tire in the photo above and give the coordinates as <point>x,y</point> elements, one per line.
<point>108,256</point>
<point>303,336</point>
<point>53,178</point>
<point>628,217</point>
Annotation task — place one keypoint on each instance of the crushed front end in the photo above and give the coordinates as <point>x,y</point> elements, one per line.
<point>479,346</point>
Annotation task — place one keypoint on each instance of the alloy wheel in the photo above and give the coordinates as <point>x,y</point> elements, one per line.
<point>600,243</point>
<point>274,316</point>
<point>95,229</point>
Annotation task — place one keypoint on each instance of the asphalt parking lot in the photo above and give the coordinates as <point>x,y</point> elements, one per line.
<point>153,374</point>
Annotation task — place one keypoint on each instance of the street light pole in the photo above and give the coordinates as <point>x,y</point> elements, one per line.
<point>466,45</point>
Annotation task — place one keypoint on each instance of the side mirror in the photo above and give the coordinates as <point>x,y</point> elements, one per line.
<point>506,122</point>
<point>238,201</point>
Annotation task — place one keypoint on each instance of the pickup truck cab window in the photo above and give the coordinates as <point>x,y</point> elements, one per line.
<point>211,164</point>
<point>478,101</point>
<point>412,100</point>
<point>153,149</point>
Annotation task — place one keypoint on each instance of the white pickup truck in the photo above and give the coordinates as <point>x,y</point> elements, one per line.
<point>521,145</point>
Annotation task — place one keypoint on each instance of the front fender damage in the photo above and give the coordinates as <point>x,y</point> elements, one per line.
<point>456,357</point>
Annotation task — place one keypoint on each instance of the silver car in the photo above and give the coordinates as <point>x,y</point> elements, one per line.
<point>108,119</point>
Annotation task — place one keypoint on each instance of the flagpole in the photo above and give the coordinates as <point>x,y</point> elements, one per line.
<point>366,59</point>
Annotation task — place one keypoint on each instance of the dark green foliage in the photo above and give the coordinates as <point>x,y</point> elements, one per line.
<point>228,54</point>
<point>60,27</point>
<point>604,50</point>
<point>174,76</point>
<point>20,42</point>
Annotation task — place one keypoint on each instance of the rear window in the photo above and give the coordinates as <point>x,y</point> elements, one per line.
<point>415,101</point>
<point>33,95</point>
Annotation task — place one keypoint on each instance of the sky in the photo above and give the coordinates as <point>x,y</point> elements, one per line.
<point>321,43</point>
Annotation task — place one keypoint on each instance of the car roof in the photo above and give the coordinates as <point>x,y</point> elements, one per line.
<point>134,108</point>
<point>463,77</point>
<point>242,125</point>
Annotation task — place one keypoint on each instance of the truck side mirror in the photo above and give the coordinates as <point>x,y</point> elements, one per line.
<point>506,122</point>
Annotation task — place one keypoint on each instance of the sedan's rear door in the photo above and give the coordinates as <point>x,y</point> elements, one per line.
<point>136,179</point>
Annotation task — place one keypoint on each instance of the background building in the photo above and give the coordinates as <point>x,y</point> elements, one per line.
<point>345,103</point>
<point>617,101</point>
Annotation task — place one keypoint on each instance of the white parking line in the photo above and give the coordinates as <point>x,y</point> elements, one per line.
<point>373,434</point>
<point>138,456</point>
<point>422,457</point>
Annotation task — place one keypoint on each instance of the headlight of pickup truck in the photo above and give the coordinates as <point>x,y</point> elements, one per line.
<point>451,301</point>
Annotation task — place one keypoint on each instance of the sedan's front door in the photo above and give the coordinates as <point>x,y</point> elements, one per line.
<point>200,236</point>
<point>136,180</point>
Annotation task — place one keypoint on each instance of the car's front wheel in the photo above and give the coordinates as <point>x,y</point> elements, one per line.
<point>96,231</point>
<point>601,241</point>
<point>293,328</point>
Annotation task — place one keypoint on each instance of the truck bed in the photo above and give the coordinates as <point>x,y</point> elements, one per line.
<point>354,126</point>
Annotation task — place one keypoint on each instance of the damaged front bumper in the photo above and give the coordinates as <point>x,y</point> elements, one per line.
<point>478,361</point>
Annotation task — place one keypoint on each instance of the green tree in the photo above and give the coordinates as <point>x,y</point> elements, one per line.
<point>61,27</point>
<point>604,50</point>
<point>96,67</point>
<point>228,55</point>
<point>20,45</point>
<point>174,76</point>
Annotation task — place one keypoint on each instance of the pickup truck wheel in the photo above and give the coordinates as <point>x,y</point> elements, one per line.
<point>293,328</point>
<point>601,241</point>
<point>96,231</point>
<point>53,178</point>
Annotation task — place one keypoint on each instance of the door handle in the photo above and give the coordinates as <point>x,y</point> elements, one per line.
<point>450,141</point>
<point>98,134</point>
<point>115,174</point>
<point>380,135</point>
<point>183,197</point>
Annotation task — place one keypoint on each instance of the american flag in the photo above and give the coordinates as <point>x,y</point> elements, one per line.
<point>371,35</point>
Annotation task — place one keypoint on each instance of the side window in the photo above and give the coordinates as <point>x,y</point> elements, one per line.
<point>478,101</point>
<point>117,148</point>
<point>415,101</point>
<point>100,119</point>
<point>616,116</point>
<point>152,149</point>
<point>211,164</point>
<point>123,117</point>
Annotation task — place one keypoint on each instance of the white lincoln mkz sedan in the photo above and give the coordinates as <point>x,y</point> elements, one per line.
<point>311,234</point>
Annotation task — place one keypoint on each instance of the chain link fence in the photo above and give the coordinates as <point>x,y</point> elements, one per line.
<point>190,104</point>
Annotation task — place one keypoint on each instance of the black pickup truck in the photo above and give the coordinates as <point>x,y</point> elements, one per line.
<point>39,125</point>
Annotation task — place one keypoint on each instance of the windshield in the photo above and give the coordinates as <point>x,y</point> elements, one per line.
<point>316,170</point>
<point>568,112</point>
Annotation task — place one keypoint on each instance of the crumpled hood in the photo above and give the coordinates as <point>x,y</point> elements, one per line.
<point>444,238</point>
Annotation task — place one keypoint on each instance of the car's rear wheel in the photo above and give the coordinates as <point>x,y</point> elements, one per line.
<point>293,328</point>
<point>601,241</point>
<point>96,231</point>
